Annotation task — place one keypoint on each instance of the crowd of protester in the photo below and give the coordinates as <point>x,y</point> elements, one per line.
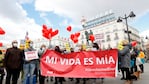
<point>130,59</point>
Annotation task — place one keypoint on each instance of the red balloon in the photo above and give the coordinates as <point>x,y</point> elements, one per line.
<point>54,33</point>
<point>2,31</point>
<point>50,30</point>
<point>1,44</point>
<point>45,35</point>
<point>49,36</point>
<point>77,34</point>
<point>44,30</point>
<point>69,28</point>
<point>92,38</point>
<point>72,36</point>
<point>75,40</point>
<point>44,26</point>
<point>134,43</point>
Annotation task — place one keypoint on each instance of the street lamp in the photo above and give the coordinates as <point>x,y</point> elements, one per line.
<point>131,15</point>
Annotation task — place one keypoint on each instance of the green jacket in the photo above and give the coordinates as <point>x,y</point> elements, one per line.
<point>1,60</point>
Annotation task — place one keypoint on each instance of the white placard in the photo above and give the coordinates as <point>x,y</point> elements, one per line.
<point>31,55</point>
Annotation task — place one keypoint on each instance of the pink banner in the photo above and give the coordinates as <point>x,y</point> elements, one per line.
<point>84,64</point>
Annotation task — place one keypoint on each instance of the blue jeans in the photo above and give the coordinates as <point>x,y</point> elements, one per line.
<point>28,70</point>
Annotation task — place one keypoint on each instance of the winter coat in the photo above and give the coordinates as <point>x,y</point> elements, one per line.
<point>125,56</point>
<point>141,54</point>
<point>1,60</point>
<point>13,58</point>
<point>40,52</point>
<point>1,64</point>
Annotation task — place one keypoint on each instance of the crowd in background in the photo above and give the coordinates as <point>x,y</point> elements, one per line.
<point>14,65</point>
<point>131,60</point>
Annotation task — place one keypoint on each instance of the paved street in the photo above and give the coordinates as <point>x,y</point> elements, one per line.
<point>143,80</point>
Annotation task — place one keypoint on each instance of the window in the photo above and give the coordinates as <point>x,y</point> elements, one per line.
<point>109,46</point>
<point>115,30</point>
<point>82,42</point>
<point>108,38</point>
<point>107,32</point>
<point>82,36</point>
<point>103,41</point>
<point>116,36</point>
<point>103,47</point>
<point>125,37</point>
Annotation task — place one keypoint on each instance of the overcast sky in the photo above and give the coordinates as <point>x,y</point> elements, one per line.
<point>19,16</point>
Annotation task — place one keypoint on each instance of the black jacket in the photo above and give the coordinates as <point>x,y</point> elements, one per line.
<point>13,58</point>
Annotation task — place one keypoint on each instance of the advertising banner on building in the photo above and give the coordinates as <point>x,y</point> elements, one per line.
<point>84,64</point>
<point>99,36</point>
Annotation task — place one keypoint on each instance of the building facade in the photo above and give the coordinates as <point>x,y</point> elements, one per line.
<point>107,31</point>
<point>55,41</point>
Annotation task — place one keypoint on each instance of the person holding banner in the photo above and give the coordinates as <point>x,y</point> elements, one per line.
<point>134,54</point>
<point>30,62</point>
<point>95,47</point>
<point>61,79</point>
<point>13,62</point>
<point>2,72</point>
<point>40,53</point>
<point>125,56</point>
